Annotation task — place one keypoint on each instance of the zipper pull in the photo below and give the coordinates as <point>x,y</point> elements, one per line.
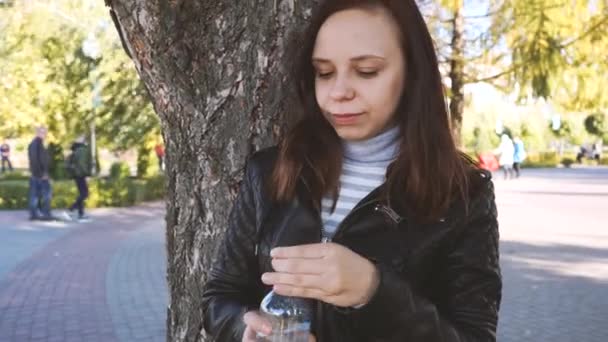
<point>389,212</point>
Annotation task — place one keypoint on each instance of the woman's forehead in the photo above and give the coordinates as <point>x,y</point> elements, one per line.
<point>357,32</point>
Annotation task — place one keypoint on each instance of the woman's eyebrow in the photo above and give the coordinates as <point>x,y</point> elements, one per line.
<point>354,59</point>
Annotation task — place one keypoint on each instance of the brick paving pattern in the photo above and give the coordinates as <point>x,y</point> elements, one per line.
<point>90,283</point>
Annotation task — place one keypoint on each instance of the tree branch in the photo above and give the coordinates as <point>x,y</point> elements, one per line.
<point>592,29</point>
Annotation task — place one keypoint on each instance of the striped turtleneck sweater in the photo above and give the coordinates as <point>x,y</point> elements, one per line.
<point>363,169</point>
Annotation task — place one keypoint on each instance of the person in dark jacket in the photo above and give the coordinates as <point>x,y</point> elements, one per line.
<point>79,166</point>
<point>40,186</point>
<point>5,152</point>
<point>366,206</point>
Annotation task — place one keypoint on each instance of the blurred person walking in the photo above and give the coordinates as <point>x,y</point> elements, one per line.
<point>40,191</point>
<point>519,156</point>
<point>160,154</point>
<point>78,166</point>
<point>506,152</point>
<point>5,151</point>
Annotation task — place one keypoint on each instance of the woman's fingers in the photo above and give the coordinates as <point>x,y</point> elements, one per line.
<point>249,335</point>
<point>256,323</point>
<point>302,280</point>
<point>301,266</point>
<point>302,292</point>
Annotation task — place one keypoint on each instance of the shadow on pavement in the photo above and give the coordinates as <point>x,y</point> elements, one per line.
<point>543,298</point>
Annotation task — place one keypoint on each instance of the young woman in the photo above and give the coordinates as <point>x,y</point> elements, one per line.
<point>399,228</point>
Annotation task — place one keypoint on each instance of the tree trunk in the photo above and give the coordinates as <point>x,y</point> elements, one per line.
<point>457,72</point>
<point>214,73</point>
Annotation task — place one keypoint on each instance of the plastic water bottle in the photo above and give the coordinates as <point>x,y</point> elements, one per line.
<point>289,317</point>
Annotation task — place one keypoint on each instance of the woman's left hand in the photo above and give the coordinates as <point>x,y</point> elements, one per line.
<point>324,271</point>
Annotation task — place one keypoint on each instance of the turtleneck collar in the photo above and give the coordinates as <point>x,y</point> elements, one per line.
<point>381,149</point>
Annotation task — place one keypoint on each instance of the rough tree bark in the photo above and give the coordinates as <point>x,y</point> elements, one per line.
<point>457,72</point>
<point>213,71</point>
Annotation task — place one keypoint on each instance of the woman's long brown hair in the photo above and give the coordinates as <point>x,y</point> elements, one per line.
<point>429,172</point>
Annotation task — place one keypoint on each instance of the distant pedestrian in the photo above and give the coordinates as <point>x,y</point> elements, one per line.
<point>160,154</point>
<point>506,152</point>
<point>40,185</point>
<point>519,156</point>
<point>596,151</point>
<point>78,166</point>
<point>5,151</point>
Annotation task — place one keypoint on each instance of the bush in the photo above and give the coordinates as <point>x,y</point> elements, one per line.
<point>541,159</point>
<point>120,170</point>
<point>567,162</point>
<point>15,175</point>
<point>102,192</point>
<point>13,194</point>
<point>56,162</point>
<point>143,160</point>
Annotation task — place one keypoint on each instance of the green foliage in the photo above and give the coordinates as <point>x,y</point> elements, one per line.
<point>46,78</point>
<point>57,162</point>
<point>483,140</point>
<point>555,50</point>
<point>567,162</point>
<point>564,131</point>
<point>102,192</point>
<point>14,175</point>
<point>528,48</point>
<point>120,170</point>
<point>542,159</point>
<point>597,124</point>
<point>143,160</point>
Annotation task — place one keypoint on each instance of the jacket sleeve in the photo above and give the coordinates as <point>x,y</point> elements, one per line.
<point>229,291</point>
<point>470,283</point>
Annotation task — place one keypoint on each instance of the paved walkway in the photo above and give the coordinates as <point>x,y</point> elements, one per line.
<point>98,281</point>
<point>105,280</point>
<point>554,250</point>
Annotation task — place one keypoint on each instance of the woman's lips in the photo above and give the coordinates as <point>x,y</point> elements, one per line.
<point>346,118</point>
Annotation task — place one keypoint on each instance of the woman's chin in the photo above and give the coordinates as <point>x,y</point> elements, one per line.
<point>352,133</point>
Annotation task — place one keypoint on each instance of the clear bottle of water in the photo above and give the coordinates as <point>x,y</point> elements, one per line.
<point>290,318</point>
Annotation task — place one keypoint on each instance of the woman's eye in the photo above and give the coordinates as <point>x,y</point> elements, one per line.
<point>324,74</point>
<point>367,73</point>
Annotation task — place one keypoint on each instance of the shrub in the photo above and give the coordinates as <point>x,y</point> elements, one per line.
<point>56,162</point>
<point>102,192</point>
<point>15,175</point>
<point>120,170</point>
<point>541,159</point>
<point>567,162</point>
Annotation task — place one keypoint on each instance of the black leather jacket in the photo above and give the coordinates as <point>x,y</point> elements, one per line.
<point>438,282</point>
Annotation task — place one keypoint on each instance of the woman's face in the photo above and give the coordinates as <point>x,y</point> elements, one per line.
<point>359,71</point>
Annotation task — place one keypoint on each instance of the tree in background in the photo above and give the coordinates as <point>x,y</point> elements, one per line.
<point>47,78</point>
<point>597,124</point>
<point>536,48</point>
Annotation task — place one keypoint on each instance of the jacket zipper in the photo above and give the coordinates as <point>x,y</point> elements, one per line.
<point>342,224</point>
<point>388,211</point>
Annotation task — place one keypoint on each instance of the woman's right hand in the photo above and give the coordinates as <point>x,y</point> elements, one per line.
<point>257,324</point>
